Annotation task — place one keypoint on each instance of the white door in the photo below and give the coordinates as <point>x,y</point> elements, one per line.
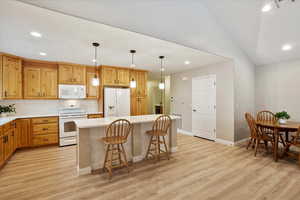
<point>123,102</point>
<point>110,104</point>
<point>204,106</point>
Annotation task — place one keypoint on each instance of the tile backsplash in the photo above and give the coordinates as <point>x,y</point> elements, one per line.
<point>31,107</point>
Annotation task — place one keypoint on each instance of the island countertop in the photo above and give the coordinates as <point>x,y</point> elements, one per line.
<point>100,122</point>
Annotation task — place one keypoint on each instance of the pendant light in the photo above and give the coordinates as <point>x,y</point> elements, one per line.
<point>132,82</point>
<point>95,80</point>
<point>161,84</point>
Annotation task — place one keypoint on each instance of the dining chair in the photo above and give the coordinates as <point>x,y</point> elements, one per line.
<point>157,135</point>
<point>269,117</point>
<point>116,135</point>
<point>256,135</point>
<point>295,142</point>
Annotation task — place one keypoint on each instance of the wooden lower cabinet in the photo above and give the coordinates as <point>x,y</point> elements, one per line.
<point>92,116</point>
<point>23,133</point>
<point>8,141</point>
<point>44,131</point>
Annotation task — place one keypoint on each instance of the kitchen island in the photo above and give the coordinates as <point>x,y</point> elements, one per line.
<point>91,151</point>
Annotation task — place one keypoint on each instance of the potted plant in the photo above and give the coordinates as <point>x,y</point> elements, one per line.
<point>5,110</point>
<point>282,117</point>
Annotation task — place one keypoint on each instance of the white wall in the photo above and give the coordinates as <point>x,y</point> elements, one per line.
<point>31,107</point>
<point>181,91</point>
<point>278,88</point>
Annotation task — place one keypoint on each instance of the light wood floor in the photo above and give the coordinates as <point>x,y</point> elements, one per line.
<point>199,170</point>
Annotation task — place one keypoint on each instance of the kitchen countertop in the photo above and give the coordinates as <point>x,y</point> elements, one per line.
<point>4,120</point>
<point>100,122</point>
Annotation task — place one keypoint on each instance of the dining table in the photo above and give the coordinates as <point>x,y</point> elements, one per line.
<point>288,128</point>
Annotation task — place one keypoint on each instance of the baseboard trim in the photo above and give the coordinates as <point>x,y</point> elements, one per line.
<point>184,132</point>
<point>137,158</point>
<point>174,149</point>
<point>84,171</point>
<point>225,142</point>
<point>241,141</point>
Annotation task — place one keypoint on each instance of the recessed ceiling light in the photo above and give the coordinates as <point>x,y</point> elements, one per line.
<point>267,8</point>
<point>162,69</point>
<point>35,34</point>
<point>187,62</point>
<point>43,54</point>
<point>286,47</point>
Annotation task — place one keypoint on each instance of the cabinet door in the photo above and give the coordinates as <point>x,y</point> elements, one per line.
<point>133,76</point>
<point>65,73</point>
<point>1,149</point>
<point>143,106</point>
<point>1,92</point>
<point>24,132</point>
<point>12,77</point>
<point>32,82</point>
<point>79,75</point>
<point>92,91</point>
<point>49,83</point>
<point>123,77</point>
<point>134,106</point>
<point>142,84</point>
<point>109,75</point>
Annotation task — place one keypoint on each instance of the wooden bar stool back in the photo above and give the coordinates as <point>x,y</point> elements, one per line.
<point>269,117</point>
<point>295,142</point>
<point>116,135</point>
<point>159,130</point>
<point>256,135</point>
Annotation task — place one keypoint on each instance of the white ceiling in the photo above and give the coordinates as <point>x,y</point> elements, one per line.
<point>259,35</point>
<point>66,38</point>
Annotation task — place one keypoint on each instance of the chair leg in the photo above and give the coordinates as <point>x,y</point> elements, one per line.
<point>105,159</point>
<point>166,148</point>
<point>125,158</point>
<point>249,143</point>
<point>119,154</point>
<point>254,142</point>
<point>266,146</point>
<point>299,158</point>
<point>149,146</point>
<point>158,147</point>
<point>109,168</point>
<point>256,146</point>
<point>282,140</point>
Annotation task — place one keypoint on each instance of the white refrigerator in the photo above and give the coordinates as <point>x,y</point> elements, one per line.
<point>116,102</point>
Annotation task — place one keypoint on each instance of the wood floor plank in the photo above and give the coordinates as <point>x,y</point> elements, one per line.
<point>199,170</point>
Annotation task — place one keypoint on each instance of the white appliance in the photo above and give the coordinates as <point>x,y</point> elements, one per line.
<point>72,92</point>
<point>116,102</point>
<point>67,128</point>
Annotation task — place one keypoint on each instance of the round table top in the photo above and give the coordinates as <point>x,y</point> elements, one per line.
<point>289,125</point>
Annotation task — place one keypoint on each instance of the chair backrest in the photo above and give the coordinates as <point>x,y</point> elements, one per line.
<point>119,128</point>
<point>266,116</point>
<point>252,125</point>
<point>162,125</point>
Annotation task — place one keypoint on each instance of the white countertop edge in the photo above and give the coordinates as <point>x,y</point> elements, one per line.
<point>100,122</point>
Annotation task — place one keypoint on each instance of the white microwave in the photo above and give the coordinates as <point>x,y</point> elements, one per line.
<point>72,92</point>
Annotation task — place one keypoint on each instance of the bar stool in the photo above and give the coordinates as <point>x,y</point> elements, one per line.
<point>159,130</point>
<point>116,135</point>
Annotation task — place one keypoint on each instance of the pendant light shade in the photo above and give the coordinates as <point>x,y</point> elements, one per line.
<point>161,84</point>
<point>132,82</point>
<point>95,80</point>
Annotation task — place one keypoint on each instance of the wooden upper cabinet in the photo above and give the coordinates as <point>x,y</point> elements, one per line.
<point>79,75</point>
<point>40,80</point>
<point>12,77</point>
<point>72,74</point>
<point>109,76</point>
<point>123,77</point>
<point>114,76</point>
<point>32,82</point>
<point>141,78</point>
<point>49,83</point>
<point>92,92</point>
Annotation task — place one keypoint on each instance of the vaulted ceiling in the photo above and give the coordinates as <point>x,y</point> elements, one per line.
<point>260,35</point>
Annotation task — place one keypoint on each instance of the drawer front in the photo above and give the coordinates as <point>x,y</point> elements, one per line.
<point>45,139</point>
<point>45,120</point>
<point>41,129</point>
<point>91,116</point>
